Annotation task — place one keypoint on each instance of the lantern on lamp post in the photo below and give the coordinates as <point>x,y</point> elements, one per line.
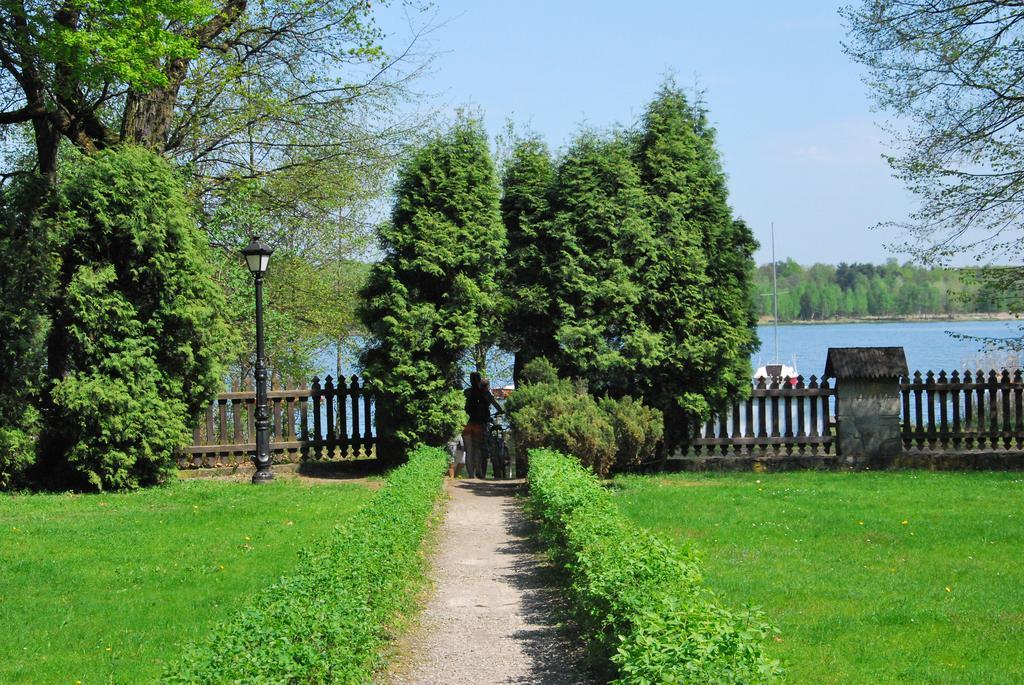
<point>257,257</point>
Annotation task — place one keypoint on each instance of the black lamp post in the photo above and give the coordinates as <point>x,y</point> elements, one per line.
<point>257,256</point>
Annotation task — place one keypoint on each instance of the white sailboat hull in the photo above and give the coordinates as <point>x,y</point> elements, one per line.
<point>778,372</point>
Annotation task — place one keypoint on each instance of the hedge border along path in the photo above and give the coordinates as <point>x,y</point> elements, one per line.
<point>330,620</point>
<point>639,599</point>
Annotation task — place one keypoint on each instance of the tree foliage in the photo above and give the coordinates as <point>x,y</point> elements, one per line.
<point>604,238</point>
<point>63,63</point>
<point>824,291</point>
<point>223,82</point>
<point>530,274</point>
<point>26,282</point>
<point>627,266</point>
<point>953,72</point>
<point>136,334</point>
<point>433,296</point>
<point>699,300</point>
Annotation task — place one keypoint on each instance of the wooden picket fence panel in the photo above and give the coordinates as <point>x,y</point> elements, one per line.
<point>307,422</point>
<point>963,412</point>
<point>781,416</point>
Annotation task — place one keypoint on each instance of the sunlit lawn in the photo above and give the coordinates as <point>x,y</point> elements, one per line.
<point>902,577</point>
<point>105,588</point>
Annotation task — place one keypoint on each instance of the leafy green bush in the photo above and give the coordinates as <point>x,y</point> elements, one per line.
<point>18,448</point>
<point>328,621</point>
<point>549,412</point>
<point>537,371</point>
<point>638,430</point>
<point>26,282</point>
<point>563,416</point>
<point>639,600</point>
<point>137,336</point>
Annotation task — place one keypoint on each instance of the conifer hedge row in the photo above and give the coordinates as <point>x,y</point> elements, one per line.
<point>328,622</point>
<point>639,600</point>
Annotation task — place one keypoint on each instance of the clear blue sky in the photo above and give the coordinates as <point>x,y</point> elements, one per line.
<point>795,128</point>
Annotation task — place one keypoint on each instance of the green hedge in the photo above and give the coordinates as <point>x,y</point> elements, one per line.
<point>328,622</point>
<point>638,599</point>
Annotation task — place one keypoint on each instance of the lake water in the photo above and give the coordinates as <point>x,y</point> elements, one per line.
<point>930,345</point>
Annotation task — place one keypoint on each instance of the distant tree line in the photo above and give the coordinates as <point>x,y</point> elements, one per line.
<point>825,291</point>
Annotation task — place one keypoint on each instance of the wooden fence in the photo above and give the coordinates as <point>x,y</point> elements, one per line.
<point>313,422</point>
<point>938,412</point>
<point>965,412</point>
<point>781,416</point>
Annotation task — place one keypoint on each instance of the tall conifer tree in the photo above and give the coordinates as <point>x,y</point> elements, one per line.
<point>530,276</point>
<point>136,334</point>
<point>604,239</point>
<point>698,287</point>
<point>434,294</point>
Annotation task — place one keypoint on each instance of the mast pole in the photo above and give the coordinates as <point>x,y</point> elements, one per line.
<point>775,295</point>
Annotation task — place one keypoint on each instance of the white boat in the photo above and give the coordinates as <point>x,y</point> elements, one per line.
<point>777,371</point>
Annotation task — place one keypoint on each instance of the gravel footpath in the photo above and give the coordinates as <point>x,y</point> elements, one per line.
<point>490,619</point>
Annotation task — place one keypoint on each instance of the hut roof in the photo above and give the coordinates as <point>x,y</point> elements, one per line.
<point>865,362</point>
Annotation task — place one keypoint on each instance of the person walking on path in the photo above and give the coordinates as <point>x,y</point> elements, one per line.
<point>479,401</point>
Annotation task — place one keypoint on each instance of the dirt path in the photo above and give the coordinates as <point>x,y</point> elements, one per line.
<point>490,619</point>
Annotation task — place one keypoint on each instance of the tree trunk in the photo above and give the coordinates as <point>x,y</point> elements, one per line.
<point>47,144</point>
<point>519,361</point>
<point>678,430</point>
<point>148,115</point>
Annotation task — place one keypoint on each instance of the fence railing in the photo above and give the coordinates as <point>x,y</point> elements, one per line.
<point>307,422</point>
<point>782,415</point>
<point>971,411</point>
<point>938,411</point>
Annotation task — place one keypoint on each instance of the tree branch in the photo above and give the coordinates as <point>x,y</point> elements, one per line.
<point>18,116</point>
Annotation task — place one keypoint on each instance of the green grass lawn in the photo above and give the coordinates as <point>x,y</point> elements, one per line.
<point>899,577</point>
<point>105,588</point>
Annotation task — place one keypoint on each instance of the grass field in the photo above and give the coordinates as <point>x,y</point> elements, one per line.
<point>900,577</point>
<point>105,588</point>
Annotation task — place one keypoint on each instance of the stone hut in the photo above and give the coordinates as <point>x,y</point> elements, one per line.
<point>867,402</point>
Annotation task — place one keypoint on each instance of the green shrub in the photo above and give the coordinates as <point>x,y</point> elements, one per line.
<point>328,622</point>
<point>26,282</point>
<point>638,430</point>
<point>137,336</point>
<point>549,412</point>
<point>538,370</point>
<point>638,599</point>
<point>563,416</point>
<point>18,449</point>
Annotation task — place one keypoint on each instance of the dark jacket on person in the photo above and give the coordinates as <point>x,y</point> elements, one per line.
<point>478,405</point>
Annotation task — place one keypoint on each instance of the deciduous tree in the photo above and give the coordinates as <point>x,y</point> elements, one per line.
<point>64,62</point>
<point>952,75</point>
